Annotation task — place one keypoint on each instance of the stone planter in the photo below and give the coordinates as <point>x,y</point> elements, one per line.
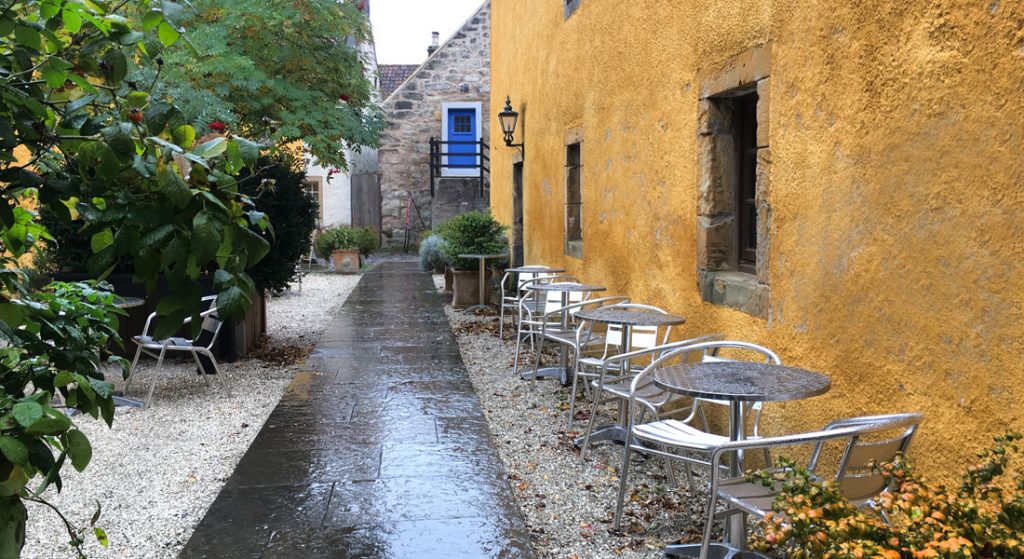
<point>466,288</point>
<point>449,279</point>
<point>345,261</point>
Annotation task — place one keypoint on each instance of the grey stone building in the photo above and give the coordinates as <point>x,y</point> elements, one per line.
<point>445,98</point>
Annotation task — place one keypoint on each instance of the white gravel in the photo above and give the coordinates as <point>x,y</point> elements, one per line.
<point>569,503</point>
<point>156,471</point>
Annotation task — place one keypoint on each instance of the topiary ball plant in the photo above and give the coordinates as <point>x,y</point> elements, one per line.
<point>473,232</point>
<point>432,254</point>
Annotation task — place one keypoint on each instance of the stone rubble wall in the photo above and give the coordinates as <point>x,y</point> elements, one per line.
<point>458,72</point>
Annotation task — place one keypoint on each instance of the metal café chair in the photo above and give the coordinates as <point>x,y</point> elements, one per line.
<point>864,441</point>
<point>513,289</point>
<point>200,348</point>
<point>551,327</point>
<point>641,337</point>
<point>640,389</point>
<point>531,305</point>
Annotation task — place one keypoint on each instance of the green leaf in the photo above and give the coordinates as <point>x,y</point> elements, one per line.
<point>173,186</point>
<point>117,66</point>
<point>256,247</point>
<point>49,425</point>
<point>249,150</point>
<point>49,9</point>
<point>72,21</point>
<point>184,136</point>
<point>27,413</point>
<point>28,37</point>
<point>13,485</point>
<point>14,450</point>
<point>232,303</point>
<point>152,19</point>
<point>101,536</point>
<point>12,314</point>
<point>101,240</point>
<point>205,238</point>
<point>119,138</point>
<point>167,33</point>
<point>6,26</point>
<point>55,72</point>
<point>211,148</point>
<point>63,378</point>
<point>136,99</point>
<point>79,449</point>
<point>234,162</point>
<point>156,117</point>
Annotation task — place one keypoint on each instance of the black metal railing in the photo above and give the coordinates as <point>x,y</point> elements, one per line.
<point>439,160</point>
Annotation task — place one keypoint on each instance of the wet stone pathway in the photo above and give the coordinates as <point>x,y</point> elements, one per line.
<point>379,450</point>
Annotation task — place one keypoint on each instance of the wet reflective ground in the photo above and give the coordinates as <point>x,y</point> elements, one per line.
<point>379,450</point>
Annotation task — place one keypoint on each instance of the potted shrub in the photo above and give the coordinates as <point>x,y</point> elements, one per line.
<point>470,233</point>
<point>341,244</point>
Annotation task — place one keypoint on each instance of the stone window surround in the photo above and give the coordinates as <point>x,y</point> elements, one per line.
<point>570,7</point>
<point>445,107</point>
<point>573,248</point>
<point>719,280</point>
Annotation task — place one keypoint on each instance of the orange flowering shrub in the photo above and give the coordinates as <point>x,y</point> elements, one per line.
<point>982,518</point>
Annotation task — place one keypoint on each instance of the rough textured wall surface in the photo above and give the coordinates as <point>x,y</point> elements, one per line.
<point>459,71</point>
<point>897,227</point>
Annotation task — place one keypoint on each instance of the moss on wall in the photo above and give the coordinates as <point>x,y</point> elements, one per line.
<point>897,231</point>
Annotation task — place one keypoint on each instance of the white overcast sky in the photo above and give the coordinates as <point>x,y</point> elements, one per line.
<point>401,28</point>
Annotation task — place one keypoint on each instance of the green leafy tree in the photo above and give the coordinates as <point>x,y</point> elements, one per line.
<point>96,149</point>
<point>279,70</point>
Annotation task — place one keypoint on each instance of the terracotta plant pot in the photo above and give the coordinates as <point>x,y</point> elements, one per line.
<point>449,279</point>
<point>466,292</point>
<point>345,261</point>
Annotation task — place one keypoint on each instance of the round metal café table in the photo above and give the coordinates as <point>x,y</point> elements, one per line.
<point>627,318</point>
<point>483,280</point>
<point>560,372</point>
<point>738,382</point>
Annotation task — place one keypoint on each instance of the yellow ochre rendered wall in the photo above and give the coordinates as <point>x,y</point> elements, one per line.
<point>897,187</point>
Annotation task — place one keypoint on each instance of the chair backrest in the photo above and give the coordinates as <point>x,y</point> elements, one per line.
<point>878,439</point>
<point>553,302</point>
<point>211,324</point>
<point>640,337</point>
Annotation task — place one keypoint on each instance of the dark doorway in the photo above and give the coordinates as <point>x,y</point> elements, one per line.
<point>517,214</point>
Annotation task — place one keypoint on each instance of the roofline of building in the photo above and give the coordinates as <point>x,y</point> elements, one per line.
<point>443,46</point>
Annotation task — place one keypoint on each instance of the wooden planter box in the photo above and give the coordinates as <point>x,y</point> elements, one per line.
<point>235,340</point>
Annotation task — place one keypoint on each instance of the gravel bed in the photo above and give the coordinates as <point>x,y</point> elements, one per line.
<point>569,503</point>
<point>156,471</point>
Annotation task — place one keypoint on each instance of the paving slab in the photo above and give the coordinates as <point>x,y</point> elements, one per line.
<point>379,450</point>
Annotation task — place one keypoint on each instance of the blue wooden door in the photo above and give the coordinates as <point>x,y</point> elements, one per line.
<point>462,128</point>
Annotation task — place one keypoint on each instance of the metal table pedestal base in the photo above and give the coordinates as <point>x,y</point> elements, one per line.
<point>559,373</point>
<point>613,432</point>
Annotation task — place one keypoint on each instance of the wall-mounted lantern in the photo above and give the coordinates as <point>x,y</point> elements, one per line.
<point>507,117</point>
